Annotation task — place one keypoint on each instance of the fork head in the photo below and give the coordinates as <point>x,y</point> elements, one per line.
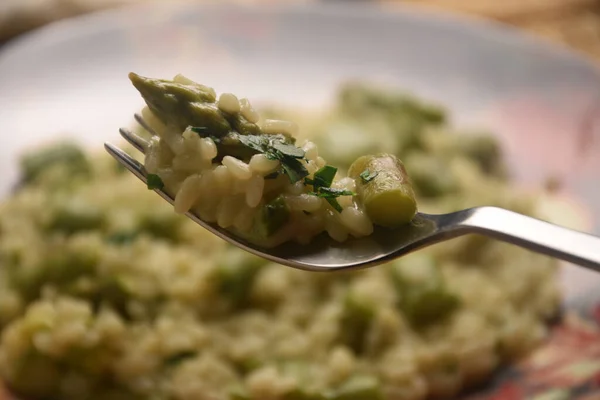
<point>323,253</point>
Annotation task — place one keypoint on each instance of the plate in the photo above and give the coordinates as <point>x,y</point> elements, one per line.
<point>70,79</point>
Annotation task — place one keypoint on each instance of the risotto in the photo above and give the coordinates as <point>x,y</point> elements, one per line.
<point>223,163</point>
<point>106,293</point>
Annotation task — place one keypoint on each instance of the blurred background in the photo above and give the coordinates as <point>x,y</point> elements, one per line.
<point>575,23</point>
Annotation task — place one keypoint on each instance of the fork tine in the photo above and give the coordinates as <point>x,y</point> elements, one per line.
<point>143,123</point>
<point>135,140</point>
<point>134,166</point>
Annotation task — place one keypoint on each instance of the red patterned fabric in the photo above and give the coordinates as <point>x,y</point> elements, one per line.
<point>566,367</point>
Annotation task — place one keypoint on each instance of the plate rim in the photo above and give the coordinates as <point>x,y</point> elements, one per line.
<point>472,24</point>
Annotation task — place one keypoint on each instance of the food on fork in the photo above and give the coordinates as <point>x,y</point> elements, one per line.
<point>223,163</point>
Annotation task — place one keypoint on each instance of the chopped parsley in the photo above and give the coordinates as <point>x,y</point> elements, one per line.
<point>321,184</point>
<point>323,177</point>
<point>255,142</point>
<point>293,168</point>
<point>276,147</point>
<point>333,192</point>
<point>153,181</point>
<point>288,149</point>
<point>367,176</point>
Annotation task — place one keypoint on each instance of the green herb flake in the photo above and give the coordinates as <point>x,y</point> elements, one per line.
<point>122,238</point>
<point>272,155</point>
<point>153,181</point>
<point>254,142</point>
<point>332,192</point>
<point>331,195</point>
<point>276,148</point>
<point>323,178</point>
<point>287,149</point>
<point>294,169</point>
<point>334,203</point>
<point>367,176</point>
<point>321,184</point>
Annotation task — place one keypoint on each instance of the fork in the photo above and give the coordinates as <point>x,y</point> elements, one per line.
<point>324,254</point>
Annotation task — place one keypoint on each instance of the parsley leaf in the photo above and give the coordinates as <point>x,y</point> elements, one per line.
<point>275,147</point>
<point>331,193</point>
<point>153,181</point>
<point>367,176</point>
<point>321,184</point>
<point>255,142</point>
<point>334,203</point>
<point>293,168</point>
<point>323,178</point>
<point>288,150</point>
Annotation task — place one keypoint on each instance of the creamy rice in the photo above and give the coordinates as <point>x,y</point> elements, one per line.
<point>109,294</point>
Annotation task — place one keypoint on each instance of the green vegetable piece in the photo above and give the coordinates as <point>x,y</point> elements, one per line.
<point>60,266</point>
<point>178,358</point>
<point>236,273</point>
<point>154,182</point>
<point>122,237</point>
<point>302,374</point>
<point>367,176</point>
<point>244,127</point>
<point>162,224</point>
<point>274,216</point>
<point>388,198</point>
<point>430,176</point>
<point>116,291</point>
<point>485,151</point>
<point>357,98</point>
<point>359,388</point>
<point>69,154</point>
<point>427,306</point>
<point>182,105</point>
<point>75,217</point>
<point>303,394</point>
<point>239,393</point>
<point>356,320</point>
<point>424,298</point>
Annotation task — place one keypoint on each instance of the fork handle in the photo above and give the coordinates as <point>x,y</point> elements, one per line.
<point>543,237</point>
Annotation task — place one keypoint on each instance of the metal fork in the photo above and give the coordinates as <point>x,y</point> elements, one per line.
<point>324,254</point>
